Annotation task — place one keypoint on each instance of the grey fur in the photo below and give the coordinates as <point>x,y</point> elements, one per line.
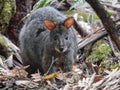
<point>38,44</point>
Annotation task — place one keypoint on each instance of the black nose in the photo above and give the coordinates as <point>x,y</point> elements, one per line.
<point>61,49</point>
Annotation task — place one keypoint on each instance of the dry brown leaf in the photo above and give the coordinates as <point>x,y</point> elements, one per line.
<point>24,67</point>
<point>20,71</point>
<point>74,67</point>
<point>3,78</point>
<point>89,65</point>
<point>50,76</point>
<point>98,78</point>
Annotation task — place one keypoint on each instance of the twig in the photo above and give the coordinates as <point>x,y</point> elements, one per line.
<point>53,60</point>
<point>91,38</point>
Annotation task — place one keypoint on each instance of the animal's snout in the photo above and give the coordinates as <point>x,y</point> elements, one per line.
<point>61,49</point>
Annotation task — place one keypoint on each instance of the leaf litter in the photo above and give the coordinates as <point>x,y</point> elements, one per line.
<point>83,76</point>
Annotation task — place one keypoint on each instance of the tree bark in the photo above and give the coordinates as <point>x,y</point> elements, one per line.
<point>109,25</point>
<point>23,7</point>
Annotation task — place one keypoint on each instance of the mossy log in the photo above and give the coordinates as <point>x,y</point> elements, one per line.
<point>7,9</point>
<point>5,50</point>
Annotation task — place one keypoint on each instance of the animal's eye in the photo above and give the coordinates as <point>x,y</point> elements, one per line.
<point>66,38</point>
<point>55,37</point>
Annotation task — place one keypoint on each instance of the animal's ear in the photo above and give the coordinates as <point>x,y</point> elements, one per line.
<point>68,22</point>
<point>50,25</point>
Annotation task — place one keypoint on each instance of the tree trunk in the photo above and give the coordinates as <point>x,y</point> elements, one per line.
<point>23,7</point>
<point>109,25</point>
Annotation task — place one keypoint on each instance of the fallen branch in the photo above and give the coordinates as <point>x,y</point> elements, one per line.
<point>92,38</point>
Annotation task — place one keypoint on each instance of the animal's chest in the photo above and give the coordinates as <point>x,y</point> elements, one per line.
<point>59,59</point>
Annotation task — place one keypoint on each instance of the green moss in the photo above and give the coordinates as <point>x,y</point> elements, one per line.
<point>115,66</point>
<point>111,13</point>
<point>100,51</point>
<point>6,14</point>
<point>105,64</point>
